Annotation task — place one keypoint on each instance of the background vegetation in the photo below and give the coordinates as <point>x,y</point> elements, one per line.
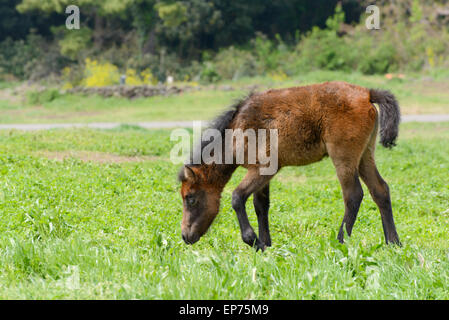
<point>212,40</point>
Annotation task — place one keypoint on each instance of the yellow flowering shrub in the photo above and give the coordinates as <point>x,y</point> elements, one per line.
<point>132,78</point>
<point>100,74</point>
<point>279,76</point>
<point>97,74</point>
<point>147,77</point>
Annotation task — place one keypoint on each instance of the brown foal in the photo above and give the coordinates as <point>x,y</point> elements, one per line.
<point>334,119</point>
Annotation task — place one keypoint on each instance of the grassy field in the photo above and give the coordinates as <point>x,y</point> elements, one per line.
<point>96,214</point>
<point>416,94</point>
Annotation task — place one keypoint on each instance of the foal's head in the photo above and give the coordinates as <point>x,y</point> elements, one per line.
<point>201,203</point>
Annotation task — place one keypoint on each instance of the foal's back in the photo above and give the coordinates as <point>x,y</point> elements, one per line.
<point>311,119</point>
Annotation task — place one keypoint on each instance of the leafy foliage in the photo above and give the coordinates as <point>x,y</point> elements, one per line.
<point>99,74</point>
<point>213,40</point>
<point>73,43</point>
<point>110,6</point>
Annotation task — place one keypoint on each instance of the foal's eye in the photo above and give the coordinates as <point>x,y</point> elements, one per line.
<point>190,200</point>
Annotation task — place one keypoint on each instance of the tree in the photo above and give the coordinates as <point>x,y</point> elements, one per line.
<point>103,7</point>
<point>91,9</point>
<point>190,30</point>
<point>144,18</point>
<point>16,25</point>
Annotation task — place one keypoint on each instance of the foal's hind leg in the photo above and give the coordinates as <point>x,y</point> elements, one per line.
<point>346,162</point>
<point>352,196</point>
<point>261,202</point>
<point>380,193</point>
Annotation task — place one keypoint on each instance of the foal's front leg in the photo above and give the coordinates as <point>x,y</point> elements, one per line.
<point>261,200</point>
<point>250,184</point>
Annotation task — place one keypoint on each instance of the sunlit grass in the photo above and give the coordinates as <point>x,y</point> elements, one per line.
<point>74,229</point>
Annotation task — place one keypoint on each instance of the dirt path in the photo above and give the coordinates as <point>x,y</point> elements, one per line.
<point>177,124</point>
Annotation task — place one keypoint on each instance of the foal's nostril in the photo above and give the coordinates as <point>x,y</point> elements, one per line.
<point>186,239</point>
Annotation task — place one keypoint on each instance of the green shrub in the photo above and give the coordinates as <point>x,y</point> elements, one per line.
<point>324,48</point>
<point>209,72</point>
<point>408,45</point>
<point>32,59</point>
<point>261,57</point>
<point>72,43</point>
<point>14,56</point>
<point>270,54</point>
<point>378,60</point>
<point>40,97</point>
<point>233,63</point>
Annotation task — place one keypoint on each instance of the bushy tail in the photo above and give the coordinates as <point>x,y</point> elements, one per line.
<point>390,116</point>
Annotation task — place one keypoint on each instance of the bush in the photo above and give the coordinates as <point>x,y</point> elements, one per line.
<point>33,59</point>
<point>209,73</point>
<point>15,55</point>
<point>373,55</point>
<point>263,56</point>
<point>270,54</point>
<point>233,63</point>
<point>100,74</point>
<point>161,66</point>
<point>40,97</point>
<point>324,48</point>
<point>72,43</point>
<point>145,77</point>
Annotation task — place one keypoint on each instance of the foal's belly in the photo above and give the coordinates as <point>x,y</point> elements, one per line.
<point>298,154</point>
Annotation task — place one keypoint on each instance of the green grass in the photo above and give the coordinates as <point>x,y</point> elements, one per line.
<point>416,96</point>
<point>69,108</point>
<point>74,229</point>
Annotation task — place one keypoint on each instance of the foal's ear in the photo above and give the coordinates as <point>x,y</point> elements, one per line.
<point>189,174</point>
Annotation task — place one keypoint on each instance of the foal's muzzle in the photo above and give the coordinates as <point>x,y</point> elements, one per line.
<point>190,238</point>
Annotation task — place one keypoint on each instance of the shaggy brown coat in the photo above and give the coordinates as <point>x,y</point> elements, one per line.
<point>334,119</point>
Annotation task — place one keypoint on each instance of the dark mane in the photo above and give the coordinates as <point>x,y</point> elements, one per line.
<point>221,123</point>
